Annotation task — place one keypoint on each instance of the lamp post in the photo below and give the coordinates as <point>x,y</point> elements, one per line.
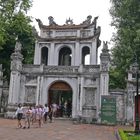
<point>136,67</point>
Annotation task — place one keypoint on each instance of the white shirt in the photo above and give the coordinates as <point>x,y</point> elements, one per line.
<point>19,110</point>
<point>46,109</point>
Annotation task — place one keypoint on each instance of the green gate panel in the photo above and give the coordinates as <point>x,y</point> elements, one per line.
<point>108,110</point>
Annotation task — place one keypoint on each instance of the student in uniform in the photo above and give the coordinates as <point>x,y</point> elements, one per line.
<point>19,114</point>
<point>50,113</point>
<point>28,115</point>
<point>45,110</point>
<point>39,113</point>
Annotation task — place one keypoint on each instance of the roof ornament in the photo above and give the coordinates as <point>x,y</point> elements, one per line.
<point>51,20</point>
<point>39,22</point>
<point>69,21</point>
<point>95,22</point>
<point>88,20</point>
<point>105,46</point>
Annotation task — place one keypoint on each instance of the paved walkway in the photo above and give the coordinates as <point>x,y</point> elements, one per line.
<point>58,130</point>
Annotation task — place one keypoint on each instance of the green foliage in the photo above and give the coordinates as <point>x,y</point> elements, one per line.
<point>122,135</point>
<point>128,135</point>
<point>134,138</point>
<point>126,19</point>
<point>116,77</point>
<point>15,23</point>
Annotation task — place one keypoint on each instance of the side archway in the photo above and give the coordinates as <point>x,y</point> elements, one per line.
<point>85,55</point>
<point>65,56</point>
<point>44,56</point>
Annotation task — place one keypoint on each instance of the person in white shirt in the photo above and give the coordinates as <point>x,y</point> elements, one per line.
<point>39,113</point>
<point>19,114</point>
<point>45,110</point>
<point>33,115</point>
<point>28,115</point>
<point>54,108</point>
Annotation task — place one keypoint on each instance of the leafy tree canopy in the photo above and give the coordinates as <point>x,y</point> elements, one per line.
<point>126,19</point>
<point>15,23</point>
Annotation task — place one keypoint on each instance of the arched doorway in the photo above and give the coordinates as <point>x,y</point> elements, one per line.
<point>60,93</point>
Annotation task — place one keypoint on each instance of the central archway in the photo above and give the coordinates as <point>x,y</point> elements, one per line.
<point>60,93</point>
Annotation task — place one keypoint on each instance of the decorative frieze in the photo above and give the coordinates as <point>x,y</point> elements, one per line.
<point>31,80</point>
<point>30,94</point>
<point>85,33</point>
<point>89,97</point>
<point>61,69</point>
<point>91,69</point>
<point>66,33</point>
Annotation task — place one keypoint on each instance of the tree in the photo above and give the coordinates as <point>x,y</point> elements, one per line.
<point>126,19</point>
<point>15,23</point>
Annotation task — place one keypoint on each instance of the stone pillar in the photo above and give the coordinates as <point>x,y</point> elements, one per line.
<point>37,54</point>
<point>93,55</point>
<point>79,94</point>
<point>14,88</point>
<point>131,92</point>
<point>77,54</point>
<point>41,89</point>
<point>82,94</point>
<point>52,57</point>
<point>38,97</point>
<point>104,70</point>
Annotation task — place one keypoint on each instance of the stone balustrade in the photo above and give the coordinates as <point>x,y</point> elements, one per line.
<point>60,69</point>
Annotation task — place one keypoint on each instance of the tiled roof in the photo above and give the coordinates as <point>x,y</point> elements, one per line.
<point>65,26</point>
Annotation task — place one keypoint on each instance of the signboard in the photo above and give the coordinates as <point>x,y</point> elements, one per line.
<point>108,110</point>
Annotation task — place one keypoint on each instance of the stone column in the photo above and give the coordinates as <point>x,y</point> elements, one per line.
<point>130,100</point>
<point>77,54</point>
<point>38,90</point>
<point>37,54</point>
<point>52,58</point>
<point>41,89</point>
<point>93,54</point>
<point>77,51</point>
<point>104,70</point>
<point>16,68</point>
<point>81,88</point>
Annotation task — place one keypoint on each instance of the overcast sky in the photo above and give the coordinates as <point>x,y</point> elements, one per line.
<point>77,10</point>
